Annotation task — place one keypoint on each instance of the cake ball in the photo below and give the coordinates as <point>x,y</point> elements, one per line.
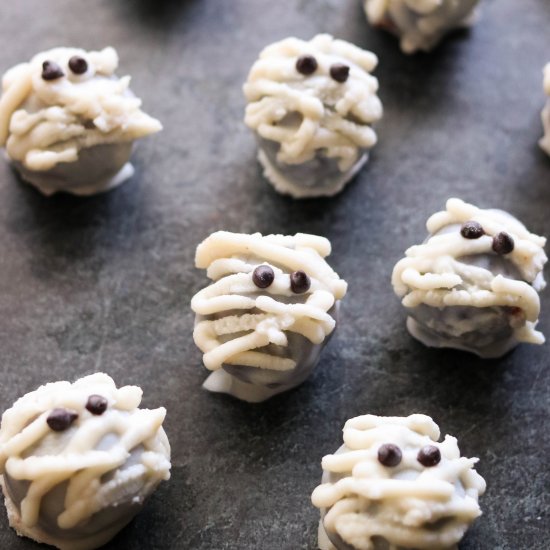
<point>311,106</point>
<point>269,311</point>
<point>474,283</point>
<point>68,122</point>
<point>393,486</point>
<point>77,461</point>
<point>420,24</point>
<point>545,141</point>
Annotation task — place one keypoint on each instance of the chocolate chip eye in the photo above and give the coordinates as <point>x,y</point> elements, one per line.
<point>78,64</point>
<point>51,71</point>
<point>503,243</point>
<point>61,419</point>
<point>472,230</point>
<point>97,404</point>
<point>339,72</point>
<point>299,282</point>
<point>306,64</point>
<point>429,456</point>
<point>263,276</point>
<point>389,455</point>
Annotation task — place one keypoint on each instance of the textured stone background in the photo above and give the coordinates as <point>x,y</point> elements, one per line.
<point>105,283</point>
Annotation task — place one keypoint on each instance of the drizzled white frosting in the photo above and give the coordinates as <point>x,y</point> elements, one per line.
<point>47,122</point>
<point>249,318</point>
<point>420,24</point>
<point>30,450</point>
<point>311,114</point>
<point>409,505</point>
<point>545,141</point>
<point>434,274</point>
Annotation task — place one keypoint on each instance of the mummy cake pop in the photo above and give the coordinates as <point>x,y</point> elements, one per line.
<point>78,460</point>
<point>420,24</point>
<point>545,141</point>
<point>271,308</point>
<point>392,486</point>
<point>312,106</point>
<point>474,283</point>
<point>68,122</point>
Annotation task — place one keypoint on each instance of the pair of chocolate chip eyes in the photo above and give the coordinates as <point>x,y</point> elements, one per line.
<point>502,242</point>
<point>52,71</point>
<point>263,277</point>
<point>390,455</point>
<point>307,64</point>
<point>60,420</point>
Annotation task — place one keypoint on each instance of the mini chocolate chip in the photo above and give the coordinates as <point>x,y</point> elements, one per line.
<point>97,404</point>
<point>429,456</point>
<point>339,72</point>
<point>472,230</point>
<point>503,243</point>
<point>61,419</point>
<point>299,282</point>
<point>306,64</point>
<point>51,70</point>
<point>263,276</point>
<point>78,64</point>
<point>389,455</point>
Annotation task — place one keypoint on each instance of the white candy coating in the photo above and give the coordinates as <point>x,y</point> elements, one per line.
<point>364,503</point>
<point>48,125</point>
<point>239,324</point>
<point>313,117</point>
<point>440,274</point>
<point>545,115</point>
<point>110,462</point>
<point>420,24</point>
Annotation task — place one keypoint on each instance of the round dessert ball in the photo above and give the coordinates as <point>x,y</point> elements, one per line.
<point>77,461</point>
<point>420,24</point>
<point>473,284</point>
<point>68,122</point>
<point>312,106</point>
<point>392,484</point>
<point>269,311</point>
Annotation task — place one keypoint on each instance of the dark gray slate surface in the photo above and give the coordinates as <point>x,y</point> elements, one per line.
<point>105,283</point>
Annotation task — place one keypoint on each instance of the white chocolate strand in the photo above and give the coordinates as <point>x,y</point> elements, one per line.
<point>362,499</point>
<point>309,113</point>
<point>46,122</point>
<point>433,273</point>
<point>30,450</point>
<point>420,24</point>
<point>545,115</point>
<point>248,318</point>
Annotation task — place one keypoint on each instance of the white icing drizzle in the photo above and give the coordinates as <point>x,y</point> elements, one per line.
<point>308,114</point>
<point>46,122</point>
<point>545,115</point>
<point>433,273</point>
<point>250,318</point>
<point>363,499</point>
<point>30,450</point>
<point>420,24</point>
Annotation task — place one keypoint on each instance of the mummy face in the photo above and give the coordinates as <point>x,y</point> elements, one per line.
<point>474,283</point>
<point>420,24</point>
<point>68,123</point>
<point>312,106</point>
<point>270,309</point>
<point>77,461</point>
<point>393,485</point>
